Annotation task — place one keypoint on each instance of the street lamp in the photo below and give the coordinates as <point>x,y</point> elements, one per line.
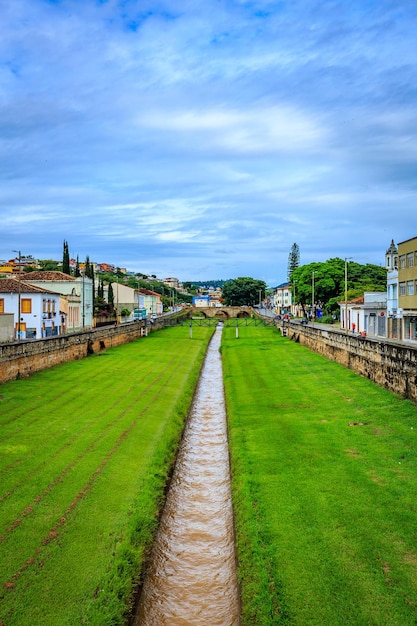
<point>313,312</point>
<point>295,298</point>
<point>346,307</point>
<point>19,296</point>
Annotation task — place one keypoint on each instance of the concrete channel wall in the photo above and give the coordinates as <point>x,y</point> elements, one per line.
<point>387,363</point>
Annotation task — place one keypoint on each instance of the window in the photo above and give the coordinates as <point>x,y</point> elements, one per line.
<point>410,288</point>
<point>410,259</point>
<point>1,305</point>
<point>402,261</point>
<point>26,305</point>
<point>402,289</point>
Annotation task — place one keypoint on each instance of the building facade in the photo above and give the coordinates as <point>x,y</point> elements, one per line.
<point>35,310</point>
<point>77,307</point>
<point>407,287</point>
<point>394,313</point>
<point>283,299</point>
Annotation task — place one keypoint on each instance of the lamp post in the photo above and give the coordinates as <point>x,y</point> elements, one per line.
<point>295,299</point>
<point>313,311</point>
<point>346,307</point>
<point>19,297</point>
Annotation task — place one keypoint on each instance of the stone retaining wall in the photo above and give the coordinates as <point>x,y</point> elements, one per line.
<point>389,364</point>
<point>25,358</point>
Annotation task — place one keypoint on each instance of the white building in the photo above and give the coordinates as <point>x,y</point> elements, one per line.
<point>394,313</point>
<point>282,299</point>
<point>38,308</point>
<point>76,307</point>
<point>367,314</point>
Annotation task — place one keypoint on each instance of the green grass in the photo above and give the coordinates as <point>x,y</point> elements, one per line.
<point>85,452</point>
<point>324,473</point>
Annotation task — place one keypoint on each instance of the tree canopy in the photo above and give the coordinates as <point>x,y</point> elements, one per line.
<point>329,282</point>
<point>243,291</point>
<point>65,259</point>
<point>293,259</point>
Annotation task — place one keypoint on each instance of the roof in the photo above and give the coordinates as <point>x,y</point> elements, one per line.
<point>47,276</point>
<point>148,292</point>
<point>12,285</point>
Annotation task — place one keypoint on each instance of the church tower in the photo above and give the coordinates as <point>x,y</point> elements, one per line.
<point>391,257</point>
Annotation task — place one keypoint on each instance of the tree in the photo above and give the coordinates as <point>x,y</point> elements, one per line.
<point>66,260</point>
<point>89,272</point>
<point>293,259</point>
<point>329,282</point>
<point>110,295</point>
<point>243,291</point>
<point>77,268</point>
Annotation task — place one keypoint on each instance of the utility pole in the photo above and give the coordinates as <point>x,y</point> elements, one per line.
<point>346,306</point>
<point>19,296</point>
<point>313,309</point>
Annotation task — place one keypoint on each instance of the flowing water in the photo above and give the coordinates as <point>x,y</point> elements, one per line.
<point>192,576</point>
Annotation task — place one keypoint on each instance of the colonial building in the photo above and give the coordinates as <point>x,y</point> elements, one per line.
<point>151,301</point>
<point>366,315</point>
<point>407,287</point>
<point>35,310</point>
<point>283,299</point>
<point>76,306</point>
<point>394,313</point>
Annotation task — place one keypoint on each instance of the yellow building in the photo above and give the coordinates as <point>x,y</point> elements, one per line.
<point>407,286</point>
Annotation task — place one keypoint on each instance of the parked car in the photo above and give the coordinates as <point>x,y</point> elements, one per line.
<point>303,320</point>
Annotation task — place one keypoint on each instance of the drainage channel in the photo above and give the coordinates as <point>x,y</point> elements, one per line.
<point>192,574</point>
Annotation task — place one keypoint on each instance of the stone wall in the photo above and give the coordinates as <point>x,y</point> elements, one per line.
<point>27,357</point>
<point>387,363</point>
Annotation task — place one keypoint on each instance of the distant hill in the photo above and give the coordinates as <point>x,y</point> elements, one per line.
<point>207,283</point>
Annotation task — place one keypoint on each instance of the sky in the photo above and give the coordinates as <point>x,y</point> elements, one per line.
<point>201,139</point>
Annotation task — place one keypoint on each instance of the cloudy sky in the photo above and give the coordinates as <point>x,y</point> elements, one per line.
<point>201,139</point>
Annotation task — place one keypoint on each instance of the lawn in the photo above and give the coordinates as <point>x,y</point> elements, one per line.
<point>86,449</point>
<point>324,468</point>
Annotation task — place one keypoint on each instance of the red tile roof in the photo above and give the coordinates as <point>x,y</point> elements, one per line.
<point>47,275</point>
<point>12,285</point>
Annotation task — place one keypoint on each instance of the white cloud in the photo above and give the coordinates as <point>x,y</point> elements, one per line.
<point>148,133</point>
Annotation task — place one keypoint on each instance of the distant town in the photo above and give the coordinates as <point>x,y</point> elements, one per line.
<point>45,298</point>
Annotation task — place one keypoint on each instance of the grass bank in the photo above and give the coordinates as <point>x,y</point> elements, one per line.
<point>85,451</point>
<point>324,468</point>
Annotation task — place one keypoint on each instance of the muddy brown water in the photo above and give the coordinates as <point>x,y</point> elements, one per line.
<point>192,575</point>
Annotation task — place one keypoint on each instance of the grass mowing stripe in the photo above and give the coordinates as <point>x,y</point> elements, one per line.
<point>152,439</point>
<point>323,470</point>
<point>98,416</point>
<point>58,480</point>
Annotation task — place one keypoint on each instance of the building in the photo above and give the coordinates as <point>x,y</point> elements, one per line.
<point>125,299</point>
<point>37,308</point>
<point>76,306</point>
<point>201,301</point>
<point>282,296</point>
<point>172,282</point>
<point>407,288</point>
<point>151,301</point>
<point>394,313</point>
<point>367,314</point>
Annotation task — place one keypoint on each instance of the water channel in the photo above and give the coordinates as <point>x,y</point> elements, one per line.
<point>192,574</point>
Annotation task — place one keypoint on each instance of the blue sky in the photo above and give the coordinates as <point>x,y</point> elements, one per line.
<point>202,139</point>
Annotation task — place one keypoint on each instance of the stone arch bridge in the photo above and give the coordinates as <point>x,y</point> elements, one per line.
<point>223,312</point>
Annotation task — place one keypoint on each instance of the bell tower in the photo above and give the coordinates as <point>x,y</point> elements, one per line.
<point>391,257</point>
